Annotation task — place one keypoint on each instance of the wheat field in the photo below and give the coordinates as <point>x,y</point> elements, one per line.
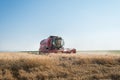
<point>83,66</point>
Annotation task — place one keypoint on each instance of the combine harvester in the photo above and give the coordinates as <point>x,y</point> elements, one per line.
<point>54,44</point>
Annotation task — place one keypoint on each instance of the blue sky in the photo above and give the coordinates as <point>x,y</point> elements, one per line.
<point>84,24</point>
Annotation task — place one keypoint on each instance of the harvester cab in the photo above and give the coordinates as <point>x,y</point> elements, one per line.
<point>54,44</point>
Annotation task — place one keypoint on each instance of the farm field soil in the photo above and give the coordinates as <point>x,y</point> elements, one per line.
<point>82,66</point>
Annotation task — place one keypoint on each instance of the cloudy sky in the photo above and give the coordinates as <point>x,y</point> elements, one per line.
<point>83,24</point>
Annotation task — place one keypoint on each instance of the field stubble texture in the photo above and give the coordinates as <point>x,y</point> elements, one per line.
<point>24,66</point>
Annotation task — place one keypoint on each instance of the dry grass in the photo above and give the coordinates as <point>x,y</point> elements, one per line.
<point>23,66</point>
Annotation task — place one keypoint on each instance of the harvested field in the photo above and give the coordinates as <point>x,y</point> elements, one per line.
<point>24,66</point>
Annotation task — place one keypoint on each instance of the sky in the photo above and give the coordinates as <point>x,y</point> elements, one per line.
<point>83,24</point>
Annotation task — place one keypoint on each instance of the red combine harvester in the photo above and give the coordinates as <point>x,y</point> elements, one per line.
<point>54,44</point>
